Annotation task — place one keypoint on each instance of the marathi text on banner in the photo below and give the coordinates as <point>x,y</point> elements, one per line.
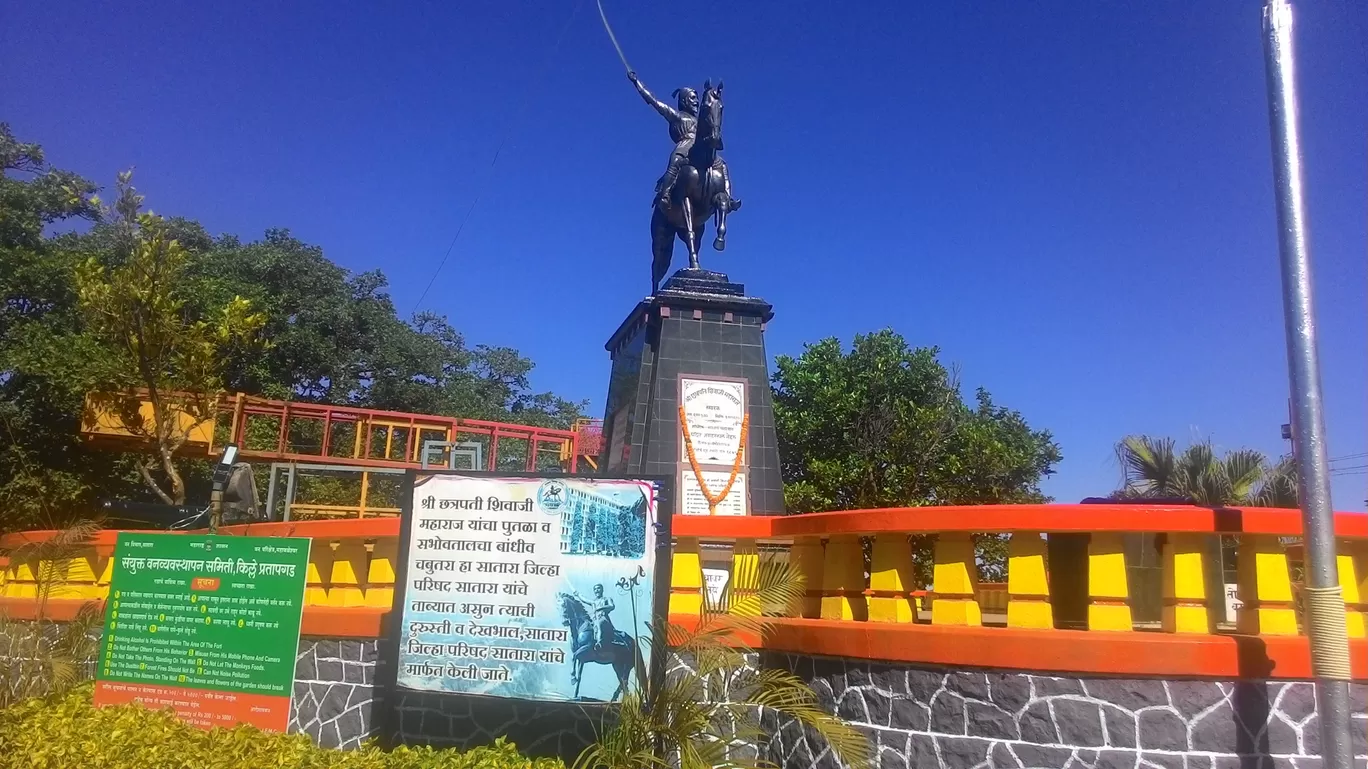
<point>526,587</point>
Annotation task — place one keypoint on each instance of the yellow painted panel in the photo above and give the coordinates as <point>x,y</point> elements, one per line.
<point>806,555</point>
<point>891,572</point>
<point>349,562</point>
<point>843,580</point>
<point>686,578</point>
<point>745,579</point>
<point>955,581</point>
<point>1265,587</point>
<point>1028,584</point>
<point>1350,578</point>
<point>100,420</point>
<point>1107,586</point>
<point>1186,609</point>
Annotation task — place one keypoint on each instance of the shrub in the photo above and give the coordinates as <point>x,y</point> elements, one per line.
<point>68,731</point>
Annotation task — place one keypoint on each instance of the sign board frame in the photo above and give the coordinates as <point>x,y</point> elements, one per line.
<point>178,620</point>
<point>659,577</point>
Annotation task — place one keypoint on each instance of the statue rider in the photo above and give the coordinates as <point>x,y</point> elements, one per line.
<point>599,609</point>
<point>683,131</point>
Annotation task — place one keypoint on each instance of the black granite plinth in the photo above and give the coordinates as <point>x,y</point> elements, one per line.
<point>700,323</point>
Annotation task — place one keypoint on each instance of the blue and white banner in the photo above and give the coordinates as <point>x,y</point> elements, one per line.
<point>536,588</point>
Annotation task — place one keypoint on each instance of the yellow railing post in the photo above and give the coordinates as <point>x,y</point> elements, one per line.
<point>1186,605</point>
<point>1352,584</point>
<point>380,573</point>
<point>1108,594</point>
<point>745,579</point>
<point>23,579</point>
<point>348,563</point>
<point>320,563</point>
<point>686,578</point>
<point>106,574</point>
<point>72,576</point>
<point>1028,584</point>
<point>1265,587</point>
<point>890,580</point>
<point>955,581</point>
<point>806,556</point>
<point>843,580</point>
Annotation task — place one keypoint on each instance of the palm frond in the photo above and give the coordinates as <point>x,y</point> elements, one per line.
<point>704,709</point>
<point>1279,486</point>
<point>1148,464</point>
<point>1244,469</point>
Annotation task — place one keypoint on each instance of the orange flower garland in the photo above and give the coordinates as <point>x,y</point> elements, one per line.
<point>714,501</point>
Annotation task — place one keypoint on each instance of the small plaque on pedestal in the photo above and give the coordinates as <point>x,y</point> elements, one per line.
<point>692,501</point>
<point>696,348</point>
<point>715,411</point>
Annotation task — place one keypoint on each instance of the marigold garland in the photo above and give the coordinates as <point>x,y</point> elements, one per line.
<point>714,501</point>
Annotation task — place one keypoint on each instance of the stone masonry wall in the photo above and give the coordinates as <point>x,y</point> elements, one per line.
<point>337,703</point>
<point>915,716</point>
<point>335,697</point>
<point>967,719</point>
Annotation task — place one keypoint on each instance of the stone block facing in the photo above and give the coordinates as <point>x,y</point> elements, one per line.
<point>335,698</point>
<point>914,716</point>
<point>935,717</point>
<point>704,327</point>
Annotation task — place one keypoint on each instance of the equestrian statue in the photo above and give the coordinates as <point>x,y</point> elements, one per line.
<point>696,183</point>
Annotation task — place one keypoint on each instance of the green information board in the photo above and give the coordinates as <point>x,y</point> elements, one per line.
<point>205,624</point>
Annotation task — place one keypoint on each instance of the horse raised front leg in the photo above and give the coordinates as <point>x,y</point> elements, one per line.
<point>720,222</point>
<point>689,238</point>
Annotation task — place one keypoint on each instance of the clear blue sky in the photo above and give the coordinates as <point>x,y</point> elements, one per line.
<point>1073,200</point>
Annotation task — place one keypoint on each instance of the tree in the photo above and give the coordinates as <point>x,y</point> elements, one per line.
<point>885,426</point>
<point>335,337</point>
<point>45,474</point>
<point>155,347</point>
<point>1152,469</point>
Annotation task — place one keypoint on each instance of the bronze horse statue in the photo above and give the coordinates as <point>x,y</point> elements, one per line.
<point>696,185</point>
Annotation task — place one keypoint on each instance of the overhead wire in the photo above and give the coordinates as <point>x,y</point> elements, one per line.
<point>489,171</point>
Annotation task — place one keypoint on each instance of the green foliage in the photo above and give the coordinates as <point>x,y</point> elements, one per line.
<point>1153,469</point>
<point>152,344</point>
<point>337,338</point>
<point>885,426</point>
<point>65,331</point>
<point>45,476</point>
<point>698,712</point>
<point>40,657</point>
<point>68,731</point>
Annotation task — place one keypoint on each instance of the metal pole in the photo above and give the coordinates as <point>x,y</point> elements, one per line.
<point>289,490</point>
<point>1324,602</point>
<point>215,510</point>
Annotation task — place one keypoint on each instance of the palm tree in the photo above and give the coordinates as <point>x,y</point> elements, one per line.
<point>1152,469</point>
<point>706,711</point>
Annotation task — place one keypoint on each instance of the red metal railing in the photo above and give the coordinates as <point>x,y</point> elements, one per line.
<point>381,438</point>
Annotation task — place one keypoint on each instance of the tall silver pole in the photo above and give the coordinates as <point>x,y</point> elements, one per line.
<point>1324,602</point>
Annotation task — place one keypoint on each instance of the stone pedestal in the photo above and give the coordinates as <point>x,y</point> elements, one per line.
<point>700,326</point>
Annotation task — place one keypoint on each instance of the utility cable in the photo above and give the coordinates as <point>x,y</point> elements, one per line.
<point>489,171</point>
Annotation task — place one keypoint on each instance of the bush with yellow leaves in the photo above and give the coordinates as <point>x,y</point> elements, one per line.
<point>68,731</point>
